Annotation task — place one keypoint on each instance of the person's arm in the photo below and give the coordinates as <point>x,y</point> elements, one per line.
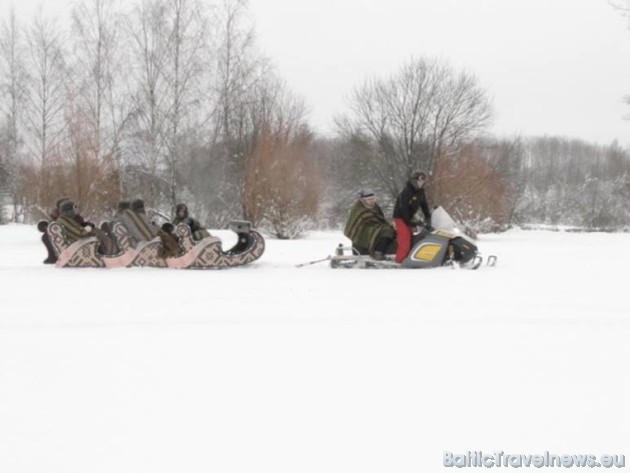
<point>424,206</point>
<point>72,229</point>
<point>405,212</point>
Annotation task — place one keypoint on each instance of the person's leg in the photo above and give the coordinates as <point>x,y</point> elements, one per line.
<point>403,239</point>
<point>380,249</point>
<point>106,246</point>
<point>52,256</point>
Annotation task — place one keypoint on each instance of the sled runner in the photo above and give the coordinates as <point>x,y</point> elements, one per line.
<point>204,254</point>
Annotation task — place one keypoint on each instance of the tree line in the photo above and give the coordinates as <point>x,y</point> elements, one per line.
<point>172,100</point>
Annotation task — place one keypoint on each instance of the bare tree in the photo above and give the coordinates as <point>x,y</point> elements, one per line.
<point>46,97</point>
<point>13,79</point>
<point>239,69</point>
<point>282,185</point>
<point>187,25</point>
<point>149,35</point>
<point>409,120</point>
<point>99,103</point>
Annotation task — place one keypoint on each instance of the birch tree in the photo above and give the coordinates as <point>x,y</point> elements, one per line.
<point>100,106</point>
<point>46,92</point>
<point>148,37</point>
<point>187,24</point>
<point>13,79</point>
<point>239,70</point>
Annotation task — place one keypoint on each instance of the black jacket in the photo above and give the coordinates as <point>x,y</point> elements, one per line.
<point>409,201</point>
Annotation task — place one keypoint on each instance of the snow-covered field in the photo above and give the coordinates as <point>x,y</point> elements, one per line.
<point>271,368</point>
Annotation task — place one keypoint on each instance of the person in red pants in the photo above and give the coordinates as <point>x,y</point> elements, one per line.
<point>409,200</point>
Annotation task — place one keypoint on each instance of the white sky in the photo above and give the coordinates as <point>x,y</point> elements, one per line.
<point>555,67</point>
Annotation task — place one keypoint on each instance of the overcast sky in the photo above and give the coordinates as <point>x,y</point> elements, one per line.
<point>555,67</point>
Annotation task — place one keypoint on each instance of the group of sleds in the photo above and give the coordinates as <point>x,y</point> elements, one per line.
<point>130,239</point>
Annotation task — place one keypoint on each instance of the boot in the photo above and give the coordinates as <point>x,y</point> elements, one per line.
<point>52,257</point>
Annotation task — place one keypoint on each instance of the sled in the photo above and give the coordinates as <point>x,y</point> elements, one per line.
<point>80,254</point>
<point>208,253</point>
<point>144,253</point>
<point>204,254</point>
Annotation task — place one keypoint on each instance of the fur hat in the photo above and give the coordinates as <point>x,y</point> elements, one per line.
<point>61,201</point>
<point>137,205</point>
<point>179,207</point>
<point>415,175</point>
<point>67,206</point>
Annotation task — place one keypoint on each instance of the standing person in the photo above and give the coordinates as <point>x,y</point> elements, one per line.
<point>410,199</point>
<point>367,228</point>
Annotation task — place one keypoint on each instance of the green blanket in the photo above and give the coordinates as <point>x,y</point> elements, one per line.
<point>366,225</point>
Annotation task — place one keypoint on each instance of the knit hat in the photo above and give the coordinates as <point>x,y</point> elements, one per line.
<point>365,193</point>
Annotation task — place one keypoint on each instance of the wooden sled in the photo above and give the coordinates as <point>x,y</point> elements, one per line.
<point>204,254</point>
<point>208,253</point>
<point>80,254</point>
<point>145,253</point>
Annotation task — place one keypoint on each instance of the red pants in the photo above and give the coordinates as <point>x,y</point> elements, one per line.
<point>403,239</point>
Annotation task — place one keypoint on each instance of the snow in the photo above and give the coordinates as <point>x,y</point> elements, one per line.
<point>275,368</point>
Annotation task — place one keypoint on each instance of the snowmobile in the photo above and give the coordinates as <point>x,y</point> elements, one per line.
<point>444,246</point>
<point>204,254</point>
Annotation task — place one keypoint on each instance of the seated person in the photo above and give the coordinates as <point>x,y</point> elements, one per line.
<point>367,228</point>
<point>108,227</point>
<point>54,215</point>
<point>181,216</point>
<point>135,219</point>
<point>74,231</point>
<point>141,229</point>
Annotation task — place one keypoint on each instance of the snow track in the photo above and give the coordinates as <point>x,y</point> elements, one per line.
<point>269,367</point>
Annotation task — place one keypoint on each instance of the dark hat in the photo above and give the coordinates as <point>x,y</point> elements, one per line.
<point>123,205</point>
<point>415,175</point>
<point>137,204</point>
<point>365,193</point>
<point>61,201</point>
<point>66,205</point>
